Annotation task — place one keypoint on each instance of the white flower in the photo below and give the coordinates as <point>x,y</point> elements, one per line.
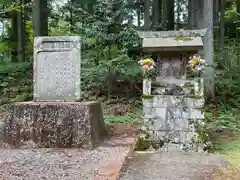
<point>141,62</point>
<point>202,61</point>
<point>153,63</point>
<point>190,61</point>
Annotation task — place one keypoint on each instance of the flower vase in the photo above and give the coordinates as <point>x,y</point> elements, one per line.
<point>147,106</point>
<point>201,87</point>
<point>197,86</point>
<point>147,86</point>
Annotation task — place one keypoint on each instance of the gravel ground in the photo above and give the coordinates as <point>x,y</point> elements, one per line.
<point>55,164</point>
<point>102,163</point>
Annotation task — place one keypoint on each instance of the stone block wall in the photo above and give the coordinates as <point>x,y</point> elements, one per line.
<point>55,124</point>
<point>172,119</point>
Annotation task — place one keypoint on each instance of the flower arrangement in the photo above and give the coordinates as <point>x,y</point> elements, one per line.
<point>197,65</point>
<point>147,66</point>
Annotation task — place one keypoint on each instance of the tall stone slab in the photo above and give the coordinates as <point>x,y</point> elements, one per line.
<point>57,68</point>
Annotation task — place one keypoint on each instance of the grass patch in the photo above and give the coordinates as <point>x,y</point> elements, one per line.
<point>222,123</point>
<point>228,144</point>
<point>133,117</point>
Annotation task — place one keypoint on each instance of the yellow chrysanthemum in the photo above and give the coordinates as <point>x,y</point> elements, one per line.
<point>147,61</point>
<point>194,62</point>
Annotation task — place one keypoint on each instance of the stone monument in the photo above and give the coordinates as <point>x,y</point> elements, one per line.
<point>56,117</point>
<point>57,65</point>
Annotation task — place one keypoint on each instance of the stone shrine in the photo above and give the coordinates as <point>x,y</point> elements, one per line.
<point>56,117</point>
<point>172,100</point>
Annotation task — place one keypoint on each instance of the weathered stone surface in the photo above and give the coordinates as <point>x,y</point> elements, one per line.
<point>195,102</point>
<point>55,124</point>
<point>57,64</point>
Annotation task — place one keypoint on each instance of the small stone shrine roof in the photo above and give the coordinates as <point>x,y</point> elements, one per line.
<point>169,34</point>
<point>167,40</point>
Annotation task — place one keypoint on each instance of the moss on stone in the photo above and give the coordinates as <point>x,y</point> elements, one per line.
<point>147,96</point>
<point>188,85</point>
<point>195,96</point>
<point>183,38</point>
<point>142,144</point>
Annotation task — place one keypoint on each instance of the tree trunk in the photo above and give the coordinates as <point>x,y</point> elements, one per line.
<point>171,15</point>
<point>168,14</point>
<point>139,13</point>
<point>238,11</point>
<point>178,23</point>
<point>200,14</point>
<point>209,86</point>
<point>216,20</point>
<point>164,14</point>
<point>160,15</point>
<point>14,36</point>
<point>192,14</point>
<point>222,7</point>
<point>146,14</point>
<point>20,31</point>
<point>71,15</point>
<point>215,11</point>
<point>157,14</point>
<point>27,11</point>
<point>40,18</point>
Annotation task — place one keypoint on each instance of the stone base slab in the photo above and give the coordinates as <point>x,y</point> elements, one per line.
<point>55,124</point>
